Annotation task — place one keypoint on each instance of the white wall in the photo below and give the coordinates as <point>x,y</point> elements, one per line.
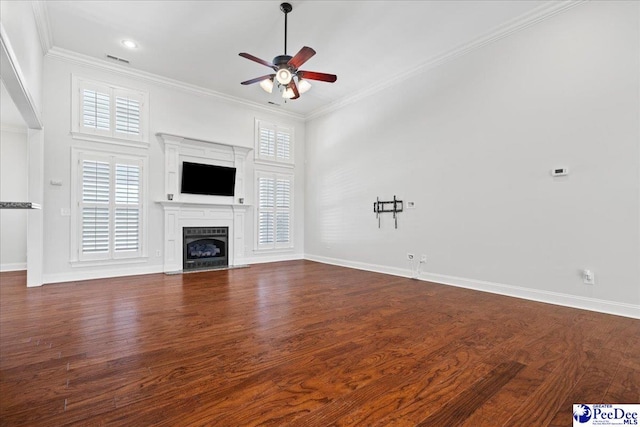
<point>472,143</point>
<point>173,111</point>
<point>13,188</point>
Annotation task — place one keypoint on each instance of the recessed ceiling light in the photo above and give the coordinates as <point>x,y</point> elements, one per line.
<point>130,44</point>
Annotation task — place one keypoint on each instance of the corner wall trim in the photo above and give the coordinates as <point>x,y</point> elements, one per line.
<point>565,300</point>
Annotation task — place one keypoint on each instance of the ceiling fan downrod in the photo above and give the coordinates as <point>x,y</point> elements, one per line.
<point>286,8</point>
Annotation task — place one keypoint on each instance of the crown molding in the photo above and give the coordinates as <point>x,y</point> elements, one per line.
<point>520,23</point>
<point>539,14</point>
<point>88,61</point>
<point>41,15</point>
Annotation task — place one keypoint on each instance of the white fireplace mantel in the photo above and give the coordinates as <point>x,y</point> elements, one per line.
<point>190,210</point>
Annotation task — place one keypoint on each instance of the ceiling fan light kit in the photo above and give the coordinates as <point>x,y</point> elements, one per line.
<point>303,85</point>
<point>267,85</point>
<point>287,68</point>
<point>284,76</point>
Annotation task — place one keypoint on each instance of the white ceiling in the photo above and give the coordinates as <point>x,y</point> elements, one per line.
<point>197,42</point>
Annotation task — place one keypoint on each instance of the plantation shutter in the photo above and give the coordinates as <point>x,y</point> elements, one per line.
<point>274,143</point>
<point>283,210</point>
<point>267,143</point>
<point>96,110</point>
<point>95,207</point>
<point>274,212</point>
<point>283,145</point>
<point>127,208</point>
<point>108,112</point>
<point>266,217</point>
<point>127,113</point>
<point>110,207</point>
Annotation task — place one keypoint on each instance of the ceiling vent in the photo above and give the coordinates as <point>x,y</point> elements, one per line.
<point>115,58</point>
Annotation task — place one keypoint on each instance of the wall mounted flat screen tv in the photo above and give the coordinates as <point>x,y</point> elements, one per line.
<point>210,180</point>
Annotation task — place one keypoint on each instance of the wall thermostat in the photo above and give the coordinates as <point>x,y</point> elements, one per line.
<point>559,171</point>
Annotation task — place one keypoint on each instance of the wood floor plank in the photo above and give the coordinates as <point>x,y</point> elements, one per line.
<point>539,362</point>
<point>625,386</point>
<point>459,409</point>
<point>300,344</point>
<point>592,386</point>
<point>541,406</point>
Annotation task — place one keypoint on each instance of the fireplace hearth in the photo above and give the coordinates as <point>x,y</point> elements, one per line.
<point>205,248</point>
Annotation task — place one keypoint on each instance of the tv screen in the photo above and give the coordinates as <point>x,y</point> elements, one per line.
<point>210,180</point>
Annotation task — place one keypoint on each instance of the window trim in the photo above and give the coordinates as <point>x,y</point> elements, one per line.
<point>78,131</point>
<point>275,247</point>
<point>75,234</point>
<point>273,160</point>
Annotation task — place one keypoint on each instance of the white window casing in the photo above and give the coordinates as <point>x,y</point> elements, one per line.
<point>108,211</point>
<point>107,113</point>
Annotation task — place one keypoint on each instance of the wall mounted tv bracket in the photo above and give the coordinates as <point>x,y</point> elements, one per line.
<point>394,206</point>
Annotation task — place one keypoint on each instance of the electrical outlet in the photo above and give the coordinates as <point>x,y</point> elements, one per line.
<point>410,256</point>
<point>423,258</point>
<point>158,252</point>
<point>588,277</point>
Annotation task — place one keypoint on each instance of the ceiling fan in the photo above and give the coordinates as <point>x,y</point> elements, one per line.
<point>287,68</point>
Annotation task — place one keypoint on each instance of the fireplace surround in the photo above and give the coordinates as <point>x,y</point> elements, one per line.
<point>184,211</point>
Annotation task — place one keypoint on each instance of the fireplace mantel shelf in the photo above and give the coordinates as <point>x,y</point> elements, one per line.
<point>178,203</point>
<point>185,139</point>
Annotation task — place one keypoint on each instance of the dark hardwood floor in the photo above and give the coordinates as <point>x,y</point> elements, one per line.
<point>301,344</point>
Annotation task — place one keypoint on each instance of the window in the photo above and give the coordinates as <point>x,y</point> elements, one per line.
<point>109,201</point>
<point>275,211</point>
<point>274,143</point>
<point>274,186</point>
<point>108,113</point>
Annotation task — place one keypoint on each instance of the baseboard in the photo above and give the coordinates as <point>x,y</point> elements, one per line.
<point>100,274</point>
<point>556,298</point>
<point>360,265</point>
<point>272,258</point>
<point>566,300</point>
<point>16,266</point>
<point>75,276</point>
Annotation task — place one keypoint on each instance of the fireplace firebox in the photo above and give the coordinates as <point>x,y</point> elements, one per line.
<point>205,248</point>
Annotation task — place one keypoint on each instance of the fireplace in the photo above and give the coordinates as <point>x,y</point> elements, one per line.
<point>205,247</point>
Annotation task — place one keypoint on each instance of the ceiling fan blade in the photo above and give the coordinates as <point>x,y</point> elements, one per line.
<point>301,57</point>
<point>258,79</point>
<point>293,87</point>
<point>256,59</point>
<point>312,75</point>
